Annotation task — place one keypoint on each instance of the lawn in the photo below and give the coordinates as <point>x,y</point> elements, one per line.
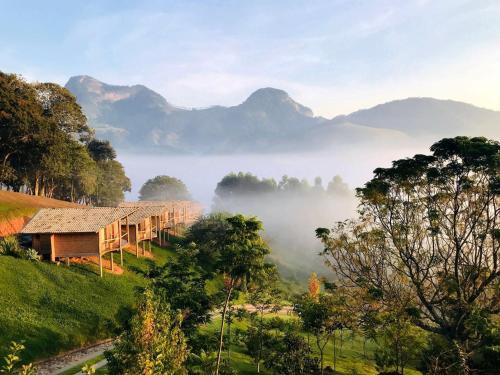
<point>350,358</point>
<point>52,308</point>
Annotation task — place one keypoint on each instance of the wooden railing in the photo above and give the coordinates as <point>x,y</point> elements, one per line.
<point>112,243</point>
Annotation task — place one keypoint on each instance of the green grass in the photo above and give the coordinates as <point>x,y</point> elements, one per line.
<point>350,358</point>
<point>52,308</point>
<point>10,210</point>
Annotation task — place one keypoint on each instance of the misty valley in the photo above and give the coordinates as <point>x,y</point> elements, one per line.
<point>250,187</point>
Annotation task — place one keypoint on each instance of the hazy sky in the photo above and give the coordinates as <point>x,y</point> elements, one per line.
<point>333,56</point>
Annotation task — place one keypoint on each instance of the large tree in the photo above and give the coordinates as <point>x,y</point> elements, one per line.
<point>428,240</point>
<point>48,149</point>
<point>163,188</point>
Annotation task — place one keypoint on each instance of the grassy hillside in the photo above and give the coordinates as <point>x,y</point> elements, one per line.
<point>18,204</point>
<point>17,208</point>
<point>53,308</point>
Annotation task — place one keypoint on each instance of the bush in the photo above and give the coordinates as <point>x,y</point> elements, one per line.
<point>12,362</point>
<point>30,254</point>
<point>10,246</point>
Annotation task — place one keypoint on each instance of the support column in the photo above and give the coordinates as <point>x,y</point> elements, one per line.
<point>112,263</point>
<point>128,231</point>
<point>136,241</point>
<point>100,263</point>
<point>52,248</point>
<point>158,229</point>
<point>121,248</point>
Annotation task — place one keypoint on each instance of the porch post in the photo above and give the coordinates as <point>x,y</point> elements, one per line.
<point>100,263</point>
<point>112,263</point>
<point>128,230</point>
<point>136,241</point>
<point>52,248</point>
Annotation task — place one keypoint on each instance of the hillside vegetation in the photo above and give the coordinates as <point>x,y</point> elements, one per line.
<point>53,308</point>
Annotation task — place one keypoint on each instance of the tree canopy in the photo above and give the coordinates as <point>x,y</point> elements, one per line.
<point>164,188</point>
<point>427,240</point>
<point>48,149</point>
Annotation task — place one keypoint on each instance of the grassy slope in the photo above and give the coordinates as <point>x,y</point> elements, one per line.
<point>18,204</point>
<point>53,308</point>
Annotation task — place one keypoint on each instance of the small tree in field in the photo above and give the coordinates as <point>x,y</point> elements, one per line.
<point>427,240</point>
<point>314,286</point>
<point>241,261</point>
<point>154,343</point>
<point>265,296</point>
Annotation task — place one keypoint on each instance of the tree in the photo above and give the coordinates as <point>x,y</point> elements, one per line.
<point>265,296</point>
<point>164,188</point>
<point>112,182</point>
<point>48,149</point>
<point>314,286</point>
<point>101,150</point>
<point>242,252</point>
<point>291,355</point>
<point>154,342</point>
<point>398,342</point>
<point>243,184</point>
<point>207,235</point>
<point>428,240</point>
<point>317,317</point>
<point>181,284</point>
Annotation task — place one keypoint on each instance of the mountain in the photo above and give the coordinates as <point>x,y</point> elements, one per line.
<point>136,118</point>
<point>419,117</point>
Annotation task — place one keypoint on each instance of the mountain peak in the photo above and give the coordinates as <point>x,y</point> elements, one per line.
<point>269,98</point>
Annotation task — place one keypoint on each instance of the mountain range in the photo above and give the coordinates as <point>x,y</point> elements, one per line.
<point>136,118</point>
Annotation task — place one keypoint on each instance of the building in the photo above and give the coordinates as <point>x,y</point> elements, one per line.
<point>64,233</point>
<point>175,214</point>
<point>144,225</point>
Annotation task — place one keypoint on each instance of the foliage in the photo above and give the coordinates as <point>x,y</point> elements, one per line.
<point>207,234</point>
<point>10,246</point>
<point>12,362</point>
<point>163,188</point>
<point>181,284</point>
<point>88,369</point>
<point>203,363</point>
<point>291,355</point>
<point>314,286</point>
<point>265,296</point>
<point>30,254</point>
<point>57,308</point>
<point>238,185</point>
<point>398,343</point>
<point>47,147</point>
<point>427,240</point>
<point>239,258</point>
<point>154,343</point>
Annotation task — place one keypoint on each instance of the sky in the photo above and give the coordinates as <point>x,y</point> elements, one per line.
<point>332,56</point>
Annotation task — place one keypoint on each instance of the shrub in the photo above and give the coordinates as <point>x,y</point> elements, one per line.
<point>10,246</point>
<point>30,254</point>
<point>12,361</point>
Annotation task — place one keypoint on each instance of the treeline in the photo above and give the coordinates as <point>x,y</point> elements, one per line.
<point>246,184</point>
<point>48,149</point>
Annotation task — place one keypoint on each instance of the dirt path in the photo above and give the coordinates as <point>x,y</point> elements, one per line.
<point>70,359</point>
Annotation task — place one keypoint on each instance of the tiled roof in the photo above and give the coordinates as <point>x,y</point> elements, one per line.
<point>143,212</point>
<point>73,220</point>
<point>147,204</point>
